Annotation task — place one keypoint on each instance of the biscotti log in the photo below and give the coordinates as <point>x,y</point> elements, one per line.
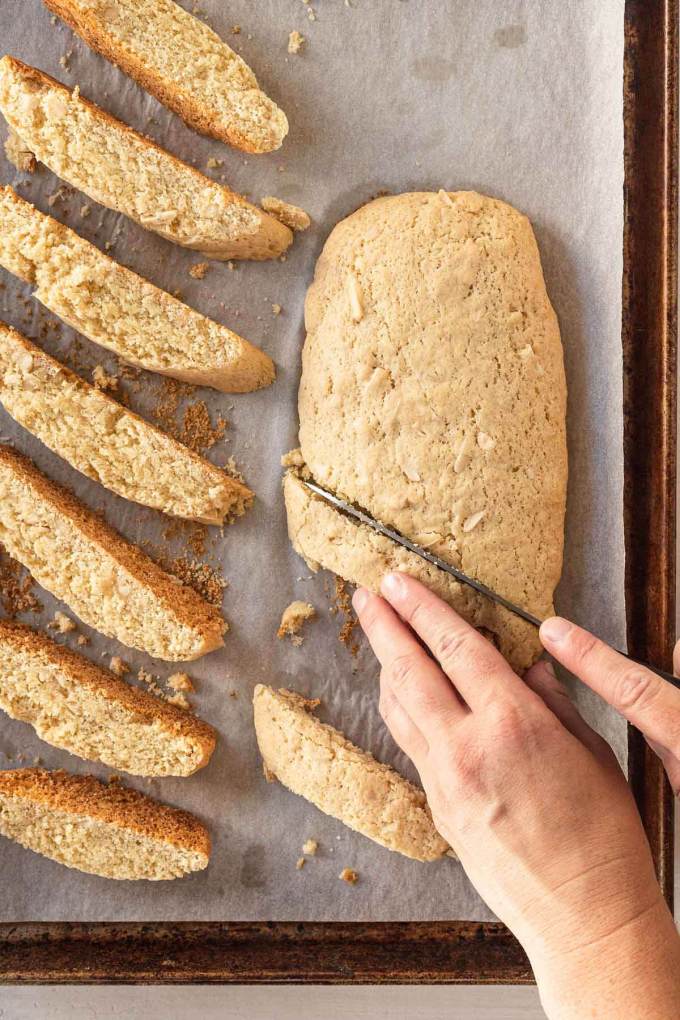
<point>127,172</point>
<point>317,762</point>
<point>433,396</point>
<point>86,710</point>
<point>105,441</point>
<point>110,584</point>
<point>184,64</point>
<point>110,831</point>
<point>119,310</point>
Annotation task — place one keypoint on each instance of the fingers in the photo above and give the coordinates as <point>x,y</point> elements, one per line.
<point>478,670</point>
<point>541,679</point>
<point>412,677</point>
<point>640,695</point>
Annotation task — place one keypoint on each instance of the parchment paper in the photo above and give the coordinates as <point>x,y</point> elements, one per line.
<point>520,100</point>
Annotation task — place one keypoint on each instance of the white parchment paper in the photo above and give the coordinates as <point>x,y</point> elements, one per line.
<point>518,99</point>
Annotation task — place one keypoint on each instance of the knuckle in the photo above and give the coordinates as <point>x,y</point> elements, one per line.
<point>512,724</point>
<point>635,689</point>
<point>452,644</point>
<point>402,671</point>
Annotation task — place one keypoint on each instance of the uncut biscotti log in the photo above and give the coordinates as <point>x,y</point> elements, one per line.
<point>86,710</point>
<point>317,762</point>
<point>123,170</point>
<point>184,64</point>
<point>433,396</point>
<point>110,831</point>
<point>119,310</point>
<point>108,583</point>
<point>109,443</point>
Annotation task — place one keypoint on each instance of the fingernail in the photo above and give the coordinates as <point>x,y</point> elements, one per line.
<point>360,598</point>
<point>555,629</point>
<point>548,667</point>
<point>393,586</point>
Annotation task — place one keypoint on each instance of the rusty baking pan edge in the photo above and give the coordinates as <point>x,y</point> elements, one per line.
<point>465,952</point>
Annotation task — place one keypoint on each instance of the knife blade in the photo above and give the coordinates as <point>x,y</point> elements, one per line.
<point>448,568</point>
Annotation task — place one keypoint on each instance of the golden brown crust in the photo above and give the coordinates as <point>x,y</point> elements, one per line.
<point>146,708</point>
<point>276,235</point>
<point>114,804</point>
<point>119,309</point>
<point>198,116</point>
<point>183,602</point>
<point>234,497</point>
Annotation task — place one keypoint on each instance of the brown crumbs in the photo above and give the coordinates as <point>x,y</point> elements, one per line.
<point>118,666</point>
<point>199,269</point>
<point>343,604</point>
<point>16,588</point>
<point>349,875</point>
<point>203,578</point>
<point>198,432</point>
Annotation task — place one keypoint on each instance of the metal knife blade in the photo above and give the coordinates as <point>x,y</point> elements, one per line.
<point>395,536</point>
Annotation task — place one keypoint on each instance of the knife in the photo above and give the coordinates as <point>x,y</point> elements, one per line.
<point>448,568</point>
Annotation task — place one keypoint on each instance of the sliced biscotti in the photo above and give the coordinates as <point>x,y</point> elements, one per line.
<point>184,64</point>
<point>324,537</point>
<point>433,396</point>
<point>110,584</point>
<point>81,708</point>
<point>125,171</point>
<point>320,764</point>
<point>111,831</point>
<point>105,441</point>
<point>118,309</point>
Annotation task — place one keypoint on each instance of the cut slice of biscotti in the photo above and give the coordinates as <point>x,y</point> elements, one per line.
<point>110,831</point>
<point>81,708</point>
<point>118,309</point>
<point>184,64</point>
<point>110,584</point>
<point>127,172</point>
<point>320,764</point>
<point>325,537</point>
<point>105,441</point>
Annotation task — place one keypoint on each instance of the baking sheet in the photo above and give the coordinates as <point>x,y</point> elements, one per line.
<point>521,100</point>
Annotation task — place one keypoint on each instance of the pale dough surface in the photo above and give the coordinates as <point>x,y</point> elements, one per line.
<point>433,395</point>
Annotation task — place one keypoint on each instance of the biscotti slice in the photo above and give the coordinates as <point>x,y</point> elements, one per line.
<point>118,309</point>
<point>81,708</point>
<point>320,764</point>
<point>326,538</point>
<point>110,831</point>
<point>433,397</point>
<point>110,584</point>
<point>128,173</point>
<point>105,441</point>
<point>184,64</point>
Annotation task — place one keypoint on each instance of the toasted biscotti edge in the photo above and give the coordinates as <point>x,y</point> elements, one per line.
<point>268,237</point>
<point>221,495</point>
<point>318,763</point>
<point>196,624</point>
<point>201,117</point>
<point>106,720</point>
<point>232,365</point>
<point>111,831</point>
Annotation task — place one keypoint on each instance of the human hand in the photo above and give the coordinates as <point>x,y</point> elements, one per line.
<point>643,697</point>
<point>530,798</point>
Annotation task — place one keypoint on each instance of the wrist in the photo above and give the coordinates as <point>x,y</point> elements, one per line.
<point>630,969</point>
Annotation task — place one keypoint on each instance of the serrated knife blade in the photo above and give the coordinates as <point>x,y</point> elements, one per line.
<point>489,593</point>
